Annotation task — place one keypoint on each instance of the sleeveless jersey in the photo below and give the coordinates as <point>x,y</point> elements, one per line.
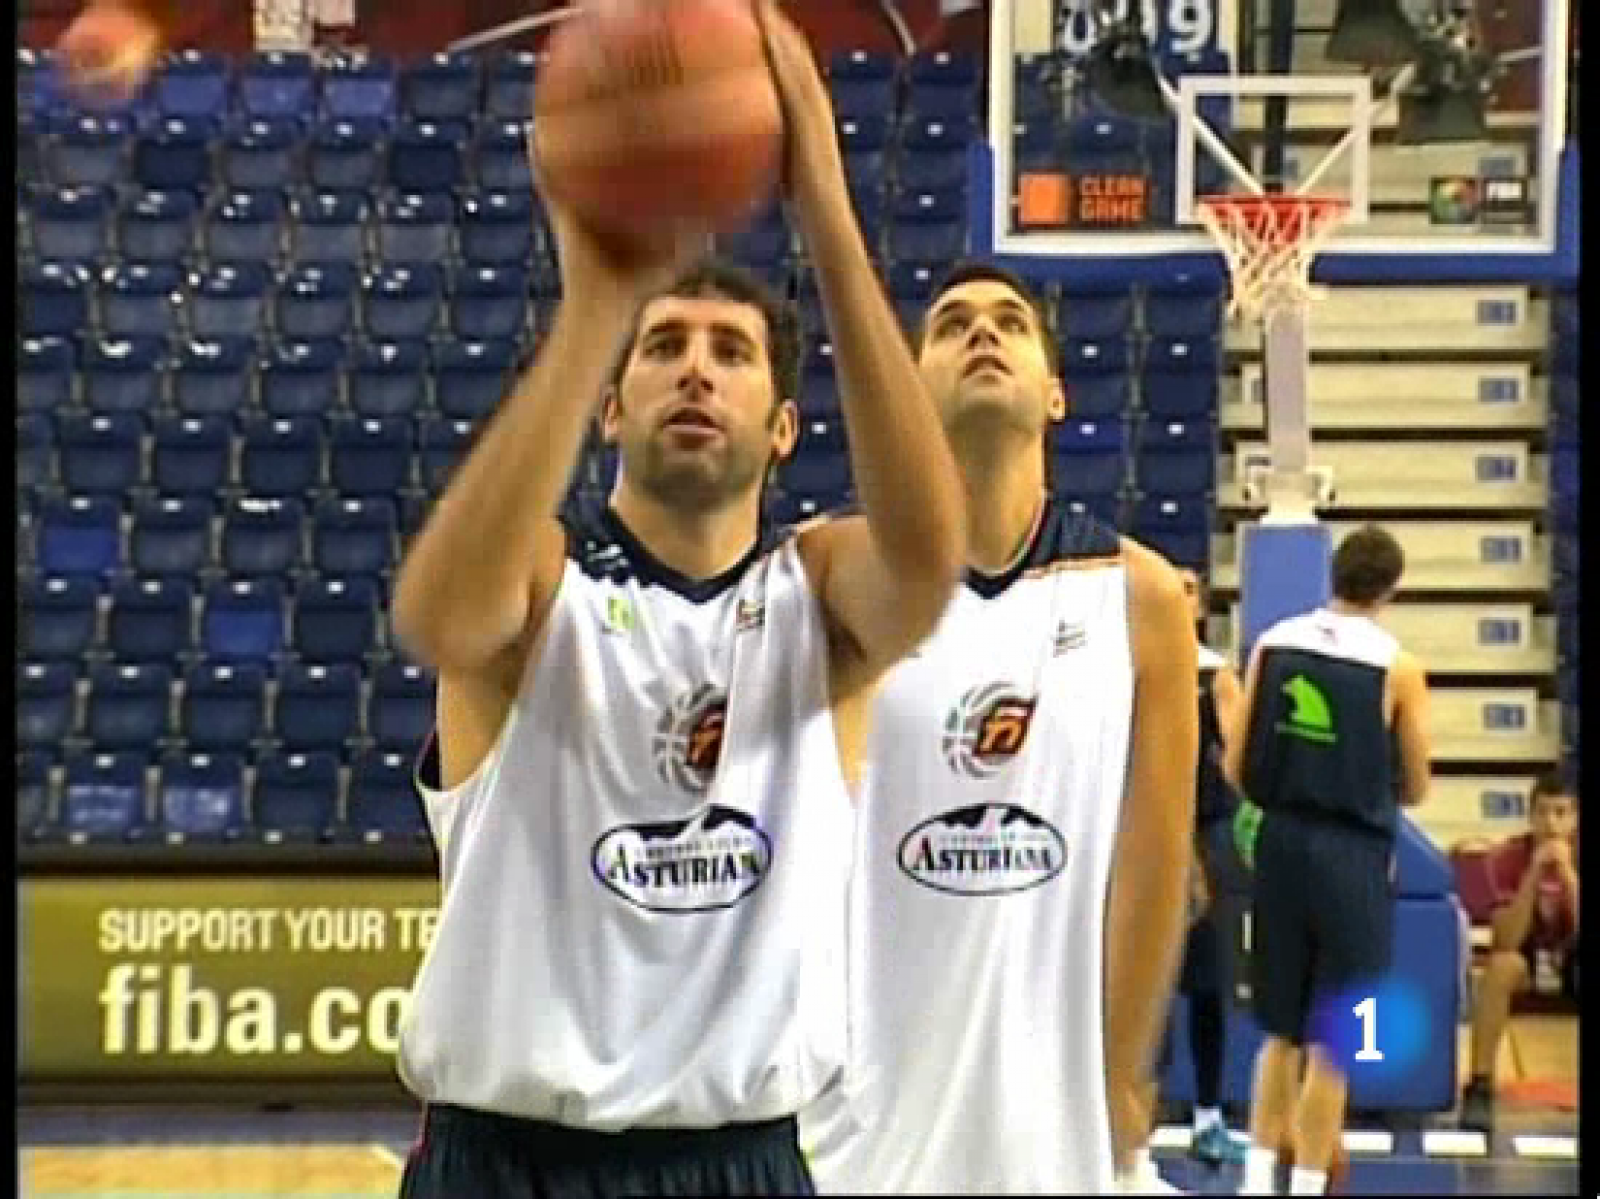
<point>988,818</point>
<point>644,883</point>
<point>1214,797</point>
<point>1319,742</point>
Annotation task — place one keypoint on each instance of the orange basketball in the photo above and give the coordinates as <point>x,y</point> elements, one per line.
<point>651,113</point>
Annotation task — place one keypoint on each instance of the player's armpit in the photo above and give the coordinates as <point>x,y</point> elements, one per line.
<point>1411,724</point>
<point>1149,871</point>
<point>877,615</point>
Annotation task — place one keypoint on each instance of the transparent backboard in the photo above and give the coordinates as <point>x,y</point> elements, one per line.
<point>1073,181</point>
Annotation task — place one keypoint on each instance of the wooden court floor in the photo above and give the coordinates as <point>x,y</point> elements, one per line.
<point>250,1156</point>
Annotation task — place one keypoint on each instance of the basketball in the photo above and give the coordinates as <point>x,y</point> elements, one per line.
<point>651,114</point>
<point>110,50</point>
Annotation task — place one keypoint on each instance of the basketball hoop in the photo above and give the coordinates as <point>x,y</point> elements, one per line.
<point>1270,242</point>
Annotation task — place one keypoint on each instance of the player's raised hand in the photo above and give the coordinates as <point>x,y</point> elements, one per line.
<point>814,168</point>
<point>110,49</point>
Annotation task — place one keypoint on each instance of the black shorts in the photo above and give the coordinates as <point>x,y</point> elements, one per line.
<point>465,1154</point>
<point>1322,918</point>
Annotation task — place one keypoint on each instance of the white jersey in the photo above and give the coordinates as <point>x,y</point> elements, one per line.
<point>644,882</point>
<point>988,820</point>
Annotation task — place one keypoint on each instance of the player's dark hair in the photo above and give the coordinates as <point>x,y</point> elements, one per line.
<point>975,270</point>
<point>716,279</point>
<point>1548,785</point>
<point>1367,565</point>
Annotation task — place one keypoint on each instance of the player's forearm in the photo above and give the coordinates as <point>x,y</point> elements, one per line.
<point>1516,918</point>
<point>905,475</point>
<point>463,591</point>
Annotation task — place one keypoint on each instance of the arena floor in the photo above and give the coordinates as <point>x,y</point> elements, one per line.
<point>76,1154</point>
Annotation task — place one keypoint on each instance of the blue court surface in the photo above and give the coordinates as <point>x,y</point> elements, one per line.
<point>74,1154</point>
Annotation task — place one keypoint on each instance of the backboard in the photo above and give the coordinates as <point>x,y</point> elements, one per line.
<point>1073,191</point>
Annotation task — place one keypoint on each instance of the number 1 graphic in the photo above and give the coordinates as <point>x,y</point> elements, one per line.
<point>1367,1010</point>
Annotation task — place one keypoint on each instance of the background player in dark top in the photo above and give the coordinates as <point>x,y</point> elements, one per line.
<point>1535,878</point>
<point>1332,737</point>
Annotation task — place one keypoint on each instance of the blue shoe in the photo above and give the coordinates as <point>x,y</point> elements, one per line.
<point>1216,1146</point>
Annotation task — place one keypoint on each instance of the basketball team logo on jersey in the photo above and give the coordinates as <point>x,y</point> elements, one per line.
<point>986,729</point>
<point>687,743</point>
<point>984,849</point>
<point>708,862</point>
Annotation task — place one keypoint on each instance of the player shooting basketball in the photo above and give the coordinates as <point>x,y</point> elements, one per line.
<point>1025,825</point>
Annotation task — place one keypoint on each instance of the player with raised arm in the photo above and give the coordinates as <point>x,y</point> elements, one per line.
<point>648,716</point>
<point>1331,740</point>
<point>1025,819</point>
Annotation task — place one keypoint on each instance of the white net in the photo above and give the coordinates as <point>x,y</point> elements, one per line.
<point>1270,242</point>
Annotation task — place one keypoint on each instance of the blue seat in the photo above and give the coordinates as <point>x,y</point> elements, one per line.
<point>1179,528</point>
<point>495,228</point>
<point>280,456</point>
<point>471,378</point>
<point>345,155</point>
<point>866,174</point>
<point>128,705</point>
<point>384,804</point>
<point>1176,458</point>
<point>99,453</point>
<point>103,797</point>
<point>34,806</point>
<point>400,710</point>
<point>224,706</point>
<point>369,456</point>
<point>1088,457</point>
<point>440,446</point>
<point>71,224</point>
<point>316,301</point>
<point>499,157</point>
<point>1199,355</point>
<point>140,299</point>
<point>508,86</point>
<point>149,619</point>
<point>317,706</point>
<point>173,154</point>
<point>942,101</point>
<point>301,378</point>
<point>1093,356</point>
<point>243,620</point>
<point>262,537</point>
<point>170,537</point>
<point>46,704</point>
<point>200,797</point>
<point>864,132</point>
<point>88,150</point>
<point>934,242</point>
<point>761,243</point>
<point>926,207</point>
<point>819,476</point>
<point>1097,397</point>
<point>58,617</point>
<point>440,87</point>
<point>359,89</point>
<point>229,300</point>
<point>212,376</point>
<point>192,84</point>
<point>123,374</point>
<point>388,378</point>
<point>80,535</point>
<point>157,226</point>
<point>858,63</point>
<point>245,227</point>
<point>296,796</point>
<point>328,227</point>
<point>1179,395</point>
<point>54,300</point>
<point>945,136</point>
<point>415,228</point>
<point>489,303</point>
<point>189,454</point>
<point>259,153</point>
<point>942,68</point>
<point>938,171</point>
<point>1185,316</point>
<point>400,302</point>
<point>335,620</point>
<point>427,156</point>
<point>35,451</point>
<point>1097,314</point>
<point>277,84</point>
<point>354,537</point>
<point>45,367</point>
<point>854,97</point>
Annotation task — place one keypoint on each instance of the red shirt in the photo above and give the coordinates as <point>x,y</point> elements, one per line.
<point>1554,923</point>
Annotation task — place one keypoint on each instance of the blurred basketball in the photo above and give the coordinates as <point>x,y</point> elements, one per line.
<point>651,114</point>
<point>110,49</point>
